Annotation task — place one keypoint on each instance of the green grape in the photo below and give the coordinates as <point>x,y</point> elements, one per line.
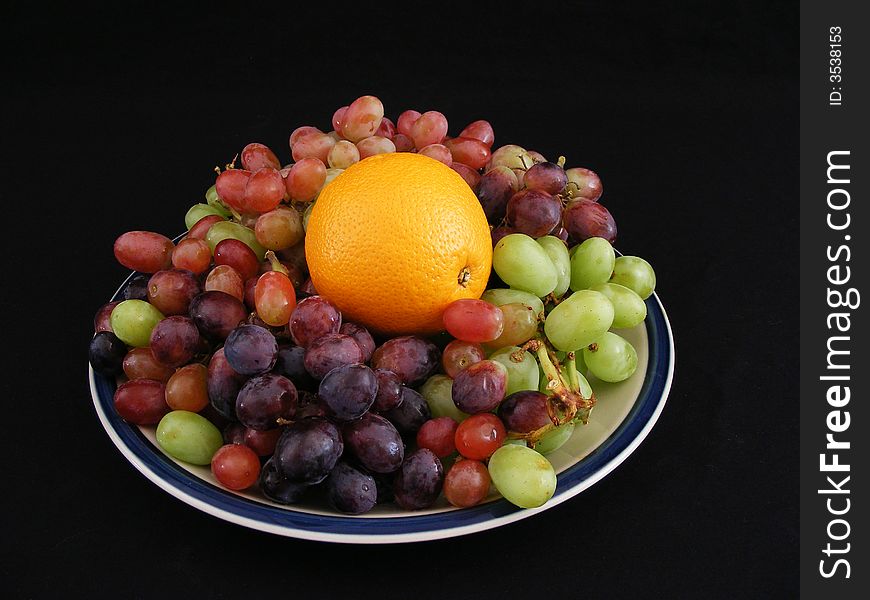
<point>502,296</point>
<point>213,200</point>
<point>611,358</point>
<point>558,253</point>
<point>189,437</point>
<point>579,320</point>
<point>636,274</point>
<point>515,442</point>
<point>523,476</point>
<point>228,229</point>
<point>198,211</point>
<point>629,309</point>
<point>585,388</point>
<point>555,438</point>
<point>307,215</point>
<point>522,375</point>
<point>133,320</point>
<point>523,264</point>
<point>591,262</point>
<point>438,393</point>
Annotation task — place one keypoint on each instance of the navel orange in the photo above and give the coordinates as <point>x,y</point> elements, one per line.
<point>396,238</point>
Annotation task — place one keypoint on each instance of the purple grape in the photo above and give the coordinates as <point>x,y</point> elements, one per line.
<point>291,364</point>
<point>410,415</point>
<point>309,405</point>
<point>524,411</point>
<point>331,351</point>
<point>264,400</point>
<point>278,488</point>
<point>106,354</point>
<point>350,490</point>
<point>585,184</point>
<point>375,443</point>
<point>419,481</point>
<point>389,391</point>
<point>362,337</point>
<point>137,289</point>
<point>216,314</point>
<point>313,318</point>
<point>234,433</point>
<point>585,219</point>
<point>308,450</point>
<point>410,357</point>
<point>480,387</point>
<point>348,391</point>
<point>172,290</point>
<point>223,385</point>
<point>547,177</point>
<point>534,212</point>
<point>500,232</point>
<point>495,189</point>
<point>102,320</point>
<point>251,349</point>
<point>175,341</point>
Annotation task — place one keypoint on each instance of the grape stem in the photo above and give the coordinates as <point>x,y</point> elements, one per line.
<point>276,264</point>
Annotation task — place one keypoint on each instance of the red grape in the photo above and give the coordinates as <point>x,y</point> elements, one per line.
<point>102,320</point>
<point>192,254</point>
<point>584,184</point>
<point>187,388</point>
<point>473,320</point>
<point>238,255</point>
<point>429,128</point>
<point>410,357</point>
<point>405,121</point>
<point>306,178</point>
<point>469,151</point>
<point>230,186</point>
<point>144,251</point>
<point>256,156</point>
<point>141,401</point>
<point>313,145</point>
<point>235,466</point>
<point>171,291</point>
<point>403,143</point>
<point>264,190</point>
<point>458,355</point>
<point>467,483</point>
<point>224,278</point>
<point>478,436</point>
<point>275,298</point>
<point>141,364</point>
<point>386,129</point>
<point>585,219</point>
<point>471,177</point>
<point>313,318</point>
<point>362,118</point>
<point>547,177</point>
<point>439,152</point>
<point>337,119</point>
<point>201,227</point>
<point>438,435</point>
<point>479,130</point>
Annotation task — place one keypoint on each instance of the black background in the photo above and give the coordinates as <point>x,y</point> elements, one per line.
<point>113,121</point>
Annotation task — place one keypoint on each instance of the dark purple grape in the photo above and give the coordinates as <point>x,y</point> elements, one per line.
<point>216,314</point>
<point>534,212</point>
<point>547,177</point>
<point>137,289</point>
<point>291,364</point>
<point>348,391</point>
<point>172,290</point>
<point>375,443</point>
<point>561,233</point>
<point>362,337</point>
<point>389,391</point>
<point>223,385</point>
<point>350,490</point>
<point>419,481</point>
<point>499,232</point>
<point>265,400</point>
<point>175,341</point>
<point>234,433</point>
<point>524,411</point>
<point>106,354</point>
<point>495,189</point>
<point>308,450</point>
<point>410,357</point>
<point>585,219</point>
<point>251,349</point>
<point>313,318</point>
<point>331,351</point>
<point>278,488</point>
<point>309,405</point>
<point>480,387</point>
<point>410,415</point>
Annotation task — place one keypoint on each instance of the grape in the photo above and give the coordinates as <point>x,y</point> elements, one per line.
<point>223,385</point>
<point>534,212</point>
<point>350,490</point>
<point>375,442</point>
<point>141,401</point>
<point>262,442</point>
<point>610,358</point>
<point>389,394</point>
<point>187,388</point>
<point>103,318</point>
<point>429,128</point>
<point>522,476</point>
<point>137,288</point>
<point>337,118</point>
<point>236,467</point>
<point>301,132</point>
<point>547,177</point>
<point>410,357</point>
<point>308,450</point>
<point>234,433</point>
<point>502,296</point>
<point>471,177</point>
<point>230,186</point>
<point>410,414</point>
<point>227,229</point>
<point>216,314</point>
<point>197,212</point>
<point>439,152</point>
<point>479,130</point>
<point>371,146</point>
<point>561,233</point>
<point>144,251</point>
<point>189,437</point>
<point>305,179</point>
<point>478,436</point>
<point>343,155</point>
<point>579,320</point>
<point>279,229</point>
<point>510,156</point>
<point>224,278</point>
<point>500,232</point>
<point>106,353</point>
<point>174,341</point>
<point>480,387</point>
<point>265,401</point>
<point>171,291</point>
<point>495,190</point>
<point>386,129</point>
<point>290,363</point>
<point>536,157</point>
<point>348,391</point>
<point>592,263</point>
<point>139,363</point>
<point>313,318</point>
<point>256,156</point>
<point>555,438</point>
<point>362,118</point>
<point>585,219</point>
<point>362,337</point>
<point>192,255</point>
<point>278,488</point>
<point>251,349</point>
<point>313,145</point>
<point>636,274</point>
<point>520,325</point>
<point>583,183</point>
<point>629,309</point>
<point>473,320</point>
<point>406,120</point>
<point>458,355</point>
<point>133,320</point>
<point>468,151</point>
<point>419,480</point>
<point>404,143</point>
<point>558,253</point>
<point>275,298</point>
<point>438,436</point>
<point>438,393</point>
<point>525,411</point>
<point>238,255</point>
<point>522,263</point>
<point>467,483</point>
<point>331,351</point>
<point>523,375</point>
<point>200,229</point>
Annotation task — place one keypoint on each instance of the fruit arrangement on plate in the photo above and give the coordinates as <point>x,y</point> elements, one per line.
<point>395,316</point>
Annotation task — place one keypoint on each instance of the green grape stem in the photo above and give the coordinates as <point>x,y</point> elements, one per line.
<point>276,264</point>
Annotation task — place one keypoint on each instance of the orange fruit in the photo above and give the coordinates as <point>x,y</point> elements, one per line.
<point>394,239</point>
